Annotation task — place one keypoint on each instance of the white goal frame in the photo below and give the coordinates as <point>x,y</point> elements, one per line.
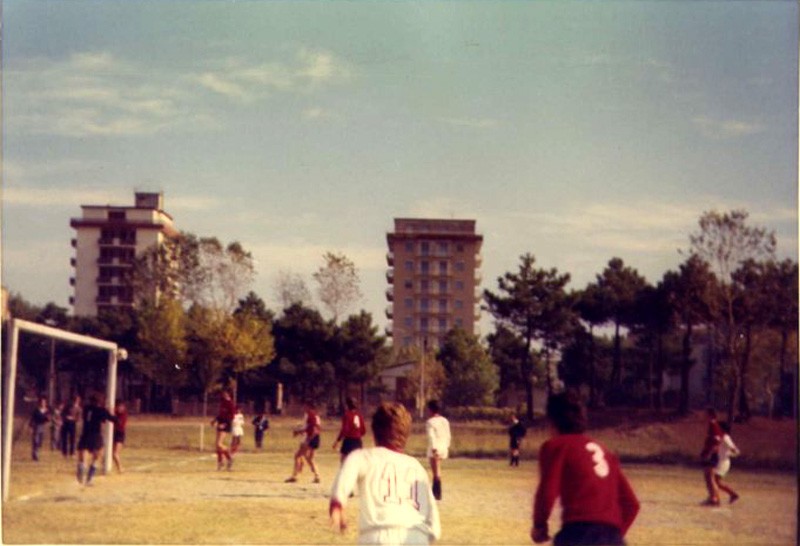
<point>14,328</point>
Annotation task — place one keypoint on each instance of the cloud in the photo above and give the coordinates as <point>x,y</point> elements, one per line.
<point>475,123</point>
<point>318,114</point>
<point>725,129</point>
<point>441,207</point>
<point>61,196</point>
<point>305,257</point>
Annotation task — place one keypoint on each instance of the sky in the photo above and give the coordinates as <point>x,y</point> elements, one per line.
<point>574,131</point>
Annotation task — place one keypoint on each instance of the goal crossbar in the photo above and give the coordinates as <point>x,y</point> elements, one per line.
<point>15,326</point>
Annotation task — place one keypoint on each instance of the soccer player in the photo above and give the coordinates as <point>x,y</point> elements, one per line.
<point>353,429</point>
<point>223,422</point>
<point>237,430</point>
<point>727,449</point>
<point>709,457</point>
<point>437,429</point>
<point>598,504</point>
<point>516,432</point>
<point>91,440</point>
<point>395,500</point>
<point>121,415</point>
<point>38,421</point>
<point>309,445</point>
<point>71,417</point>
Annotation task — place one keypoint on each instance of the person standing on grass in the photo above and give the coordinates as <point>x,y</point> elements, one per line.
<point>40,418</point>
<point>70,417</point>
<point>309,445</point>
<point>91,440</point>
<point>598,504</point>
<point>121,416</point>
<point>727,449</point>
<point>516,432</point>
<point>709,457</point>
<point>396,505</point>
<point>260,424</point>
<point>353,429</point>
<point>237,430</point>
<point>55,426</point>
<point>437,430</point>
<point>223,422</point>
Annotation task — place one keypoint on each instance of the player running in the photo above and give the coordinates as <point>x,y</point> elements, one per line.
<point>121,415</point>
<point>396,505</point>
<point>91,440</point>
<point>353,429</point>
<point>223,422</point>
<point>598,504</point>
<point>437,429</point>
<point>710,457</point>
<point>237,430</point>
<point>309,445</point>
<point>727,449</point>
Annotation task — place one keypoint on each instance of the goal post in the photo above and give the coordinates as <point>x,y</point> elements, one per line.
<point>15,326</point>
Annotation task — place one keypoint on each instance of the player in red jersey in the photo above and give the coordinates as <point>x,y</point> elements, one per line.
<point>223,422</point>
<point>309,445</point>
<point>121,414</point>
<point>598,504</point>
<point>710,456</point>
<point>353,429</point>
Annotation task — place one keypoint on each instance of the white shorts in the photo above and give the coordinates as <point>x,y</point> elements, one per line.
<point>440,454</point>
<point>722,468</point>
<point>393,535</point>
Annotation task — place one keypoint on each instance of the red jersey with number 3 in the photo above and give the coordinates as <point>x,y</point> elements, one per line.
<point>589,481</point>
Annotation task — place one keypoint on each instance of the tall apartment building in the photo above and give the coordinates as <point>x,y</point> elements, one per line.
<point>434,280</point>
<point>108,238</point>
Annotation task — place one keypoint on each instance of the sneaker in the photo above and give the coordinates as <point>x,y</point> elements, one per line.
<point>734,498</point>
<point>316,479</point>
<point>291,479</point>
<point>710,502</point>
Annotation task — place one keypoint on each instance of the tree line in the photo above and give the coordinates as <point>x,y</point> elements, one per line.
<point>198,326</point>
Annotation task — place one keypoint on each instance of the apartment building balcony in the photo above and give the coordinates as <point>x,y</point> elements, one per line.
<point>388,330</point>
<point>390,294</point>
<point>390,258</point>
<point>74,243</point>
<point>478,277</point>
<point>114,241</point>
<point>478,260</point>
<point>72,262</point>
<point>72,300</point>
<point>390,275</point>
<point>389,311</point>
<point>72,281</point>
<point>115,261</point>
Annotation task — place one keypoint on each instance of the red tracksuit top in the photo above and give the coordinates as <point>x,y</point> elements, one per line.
<point>353,425</point>
<point>589,481</point>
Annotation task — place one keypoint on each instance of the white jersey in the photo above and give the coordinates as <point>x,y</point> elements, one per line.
<point>437,429</point>
<point>727,449</point>
<point>237,425</point>
<point>395,497</point>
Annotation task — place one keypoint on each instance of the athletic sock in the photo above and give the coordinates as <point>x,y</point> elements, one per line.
<point>437,489</point>
<point>80,473</point>
<point>92,470</point>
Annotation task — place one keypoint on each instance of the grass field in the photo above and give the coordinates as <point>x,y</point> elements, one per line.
<point>171,493</point>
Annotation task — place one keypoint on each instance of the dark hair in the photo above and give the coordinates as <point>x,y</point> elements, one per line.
<point>391,425</point>
<point>566,412</point>
<point>433,405</point>
<point>725,426</point>
<point>309,403</point>
<point>350,403</point>
<point>711,412</point>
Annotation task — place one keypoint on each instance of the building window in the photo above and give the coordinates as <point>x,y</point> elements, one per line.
<point>424,286</point>
<point>423,324</point>
<point>409,265</point>
<point>116,215</point>
<point>408,322</point>
<point>442,287</point>
<point>408,284</point>
<point>409,246</point>
<point>459,248</point>
<point>443,248</point>
<point>442,325</point>
<point>442,306</point>
<point>424,267</point>
<point>425,304</point>
<point>425,248</point>
<point>443,267</point>
<point>408,303</point>
<point>459,285</point>
<point>459,323</point>
<point>407,341</point>
<point>459,304</point>
<point>460,266</point>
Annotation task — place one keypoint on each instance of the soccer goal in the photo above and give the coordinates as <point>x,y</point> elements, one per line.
<point>16,326</point>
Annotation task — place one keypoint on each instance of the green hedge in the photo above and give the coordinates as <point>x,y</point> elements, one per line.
<point>479,413</point>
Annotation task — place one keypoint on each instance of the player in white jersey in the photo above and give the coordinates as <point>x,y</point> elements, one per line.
<point>395,501</point>
<point>437,428</point>
<point>727,449</point>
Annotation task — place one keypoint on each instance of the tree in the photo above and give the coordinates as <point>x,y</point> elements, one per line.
<point>162,346</point>
<point>654,321</point>
<point>526,303</point>
<point>472,377</point>
<point>338,284</point>
<point>725,241</point>
<point>620,286</point>
<point>357,350</point>
<point>591,308</point>
<point>290,288</point>
<point>691,292</point>
<point>781,280</point>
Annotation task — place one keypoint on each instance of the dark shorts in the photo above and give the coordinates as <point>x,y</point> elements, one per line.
<point>90,442</point>
<point>580,533</point>
<point>350,444</point>
<point>514,443</point>
<point>313,443</point>
<point>119,436</point>
<point>224,426</point>
<point>711,461</point>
